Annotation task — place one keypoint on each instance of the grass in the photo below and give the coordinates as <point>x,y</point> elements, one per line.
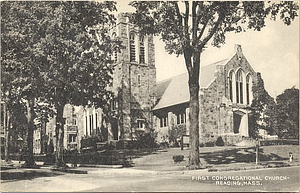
<point>228,156</point>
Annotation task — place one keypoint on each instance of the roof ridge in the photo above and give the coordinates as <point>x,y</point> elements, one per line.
<point>164,80</point>
<point>223,60</point>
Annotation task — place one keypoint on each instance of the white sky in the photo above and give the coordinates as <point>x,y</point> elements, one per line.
<point>274,51</point>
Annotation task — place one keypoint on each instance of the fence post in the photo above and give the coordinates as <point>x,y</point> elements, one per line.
<point>257,151</point>
<point>181,143</point>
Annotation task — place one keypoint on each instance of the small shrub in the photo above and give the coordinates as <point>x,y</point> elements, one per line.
<point>178,158</point>
<point>176,132</point>
<point>220,141</point>
<point>210,144</point>
<point>145,140</point>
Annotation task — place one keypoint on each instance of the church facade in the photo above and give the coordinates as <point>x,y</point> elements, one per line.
<point>143,105</point>
<point>225,98</point>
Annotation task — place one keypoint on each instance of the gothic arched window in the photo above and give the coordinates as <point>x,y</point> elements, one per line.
<point>142,50</point>
<point>231,86</point>
<point>239,87</point>
<point>132,47</point>
<point>248,88</point>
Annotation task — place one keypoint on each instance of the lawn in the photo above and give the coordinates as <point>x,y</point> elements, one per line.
<point>161,160</point>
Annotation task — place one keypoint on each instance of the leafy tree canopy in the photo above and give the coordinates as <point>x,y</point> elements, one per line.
<point>287,111</point>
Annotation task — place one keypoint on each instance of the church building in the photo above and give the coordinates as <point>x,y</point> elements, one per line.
<point>225,97</point>
<point>143,105</point>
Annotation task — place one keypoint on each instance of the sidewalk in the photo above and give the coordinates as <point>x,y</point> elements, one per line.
<point>220,158</point>
<point>215,159</point>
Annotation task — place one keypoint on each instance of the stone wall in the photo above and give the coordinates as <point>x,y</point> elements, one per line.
<point>134,82</point>
<point>216,110</point>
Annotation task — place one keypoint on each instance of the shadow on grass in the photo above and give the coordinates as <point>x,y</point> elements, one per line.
<point>26,175</point>
<point>241,155</point>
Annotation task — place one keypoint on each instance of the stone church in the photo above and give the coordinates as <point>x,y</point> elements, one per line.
<point>142,105</point>
<point>225,98</point>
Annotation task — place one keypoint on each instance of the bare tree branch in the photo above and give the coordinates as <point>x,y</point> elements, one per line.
<point>202,30</point>
<point>178,12</point>
<point>186,22</point>
<point>187,47</point>
<point>213,30</point>
<point>194,23</point>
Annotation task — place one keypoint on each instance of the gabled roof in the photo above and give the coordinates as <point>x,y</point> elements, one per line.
<point>161,87</point>
<point>176,90</point>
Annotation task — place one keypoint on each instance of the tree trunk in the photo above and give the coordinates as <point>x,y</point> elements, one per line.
<point>6,130</point>
<point>30,127</point>
<point>59,132</point>
<point>194,160</point>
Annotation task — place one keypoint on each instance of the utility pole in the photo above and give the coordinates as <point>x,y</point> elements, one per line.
<point>257,151</point>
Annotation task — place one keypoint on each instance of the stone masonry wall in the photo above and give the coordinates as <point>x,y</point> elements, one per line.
<point>216,110</point>
<point>136,81</point>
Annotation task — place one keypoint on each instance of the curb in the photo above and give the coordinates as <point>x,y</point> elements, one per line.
<point>72,171</point>
<point>251,167</point>
<point>136,172</point>
<point>100,166</point>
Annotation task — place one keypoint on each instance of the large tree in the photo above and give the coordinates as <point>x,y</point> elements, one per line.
<point>21,80</point>
<point>186,28</point>
<point>261,107</point>
<point>287,114</point>
<point>75,58</point>
<point>57,53</point>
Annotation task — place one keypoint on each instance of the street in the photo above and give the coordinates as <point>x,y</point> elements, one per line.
<point>128,179</point>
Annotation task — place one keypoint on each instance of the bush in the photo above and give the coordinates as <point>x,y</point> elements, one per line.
<point>210,144</point>
<point>178,158</point>
<point>145,140</point>
<point>220,141</point>
<point>176,132</point>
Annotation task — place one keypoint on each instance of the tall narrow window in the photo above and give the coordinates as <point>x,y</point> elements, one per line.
<point>72,138</point>
<point>115,53</point>
<point>91,124</point>
<point>181,119</point>
<point>115,56</point>
<point>96,121</point>
<point>237,92</point>
<point>239,87</point>
<point>230,86</point>
<point>132,47</point>
<point>248,89</point>
<point>163,121</point>
<point>142,50</point>
<point>86,125</point>
<point>74,120</point>
<point>114,105</point>
<point>139,79</point>
<point>140,124</point>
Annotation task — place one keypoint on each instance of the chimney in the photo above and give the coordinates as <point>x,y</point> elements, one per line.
<point>238,48</point>
<point>238,51</point>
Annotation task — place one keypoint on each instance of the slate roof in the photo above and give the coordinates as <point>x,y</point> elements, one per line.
<point>176,91</point>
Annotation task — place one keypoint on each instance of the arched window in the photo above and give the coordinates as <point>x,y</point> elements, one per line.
<point>231,86</point>
<point>139,79</point>
<point>142,50</point>
<point>248,88</point>
<point>239,87</point>
<point>132,47</point>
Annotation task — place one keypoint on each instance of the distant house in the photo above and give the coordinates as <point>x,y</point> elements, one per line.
<point>225,98</point>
